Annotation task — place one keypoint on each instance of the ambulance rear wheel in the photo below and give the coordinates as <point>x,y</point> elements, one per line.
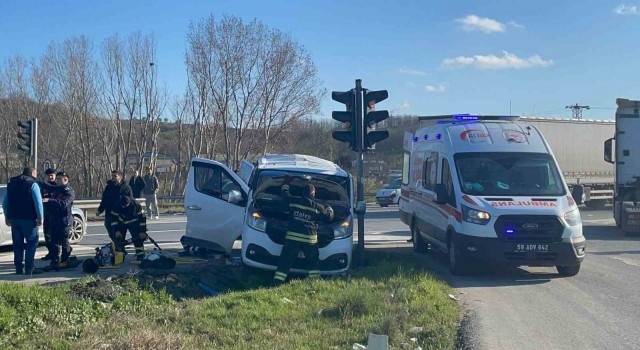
<point>458,264</point>
<point>419,244</point>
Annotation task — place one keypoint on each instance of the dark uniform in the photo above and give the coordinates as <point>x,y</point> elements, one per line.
<point>59,206</point>
<point>111,195</point>
<point>137,185</point>
<point>302,233</point>
<point>46,192</point>
<point>128,215</point>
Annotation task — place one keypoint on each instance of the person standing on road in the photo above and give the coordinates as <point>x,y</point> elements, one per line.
<point>24,213</point>
<point>150,194</point>
<point>302,231</point>
<point>128,215</point>
<point>115,189</point>
<point>60,204</point>
<point>46,191</point>
<point>137,184</point>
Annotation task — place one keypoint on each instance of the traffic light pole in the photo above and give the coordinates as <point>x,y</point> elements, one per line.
<point>35,143</point>
<point>360,206</point>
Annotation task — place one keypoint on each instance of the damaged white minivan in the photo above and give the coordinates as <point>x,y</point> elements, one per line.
<point>223,206</point>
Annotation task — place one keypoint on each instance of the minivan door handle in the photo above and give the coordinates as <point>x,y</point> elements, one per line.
<point>194,207</point>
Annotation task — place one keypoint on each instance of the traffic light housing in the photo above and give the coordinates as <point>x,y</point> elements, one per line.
<point>349,132</point>
<point>28,136</point>
<point>373,117</point>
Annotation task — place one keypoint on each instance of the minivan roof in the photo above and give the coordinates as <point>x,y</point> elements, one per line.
<point>300,162</point>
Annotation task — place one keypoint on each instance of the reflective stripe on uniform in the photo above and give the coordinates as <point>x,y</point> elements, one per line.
<point>314,273</point>
<point>292,236</point>
<point>304,207</point>
<point>130,221</point>
<point>281,276</point>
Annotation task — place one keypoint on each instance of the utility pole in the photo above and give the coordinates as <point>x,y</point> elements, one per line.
<point>576,110</point>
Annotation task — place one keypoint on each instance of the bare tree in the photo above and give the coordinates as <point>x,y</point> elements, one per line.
<point>258,81</point>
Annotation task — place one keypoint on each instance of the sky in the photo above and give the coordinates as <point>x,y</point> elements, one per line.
<point>433,57</point>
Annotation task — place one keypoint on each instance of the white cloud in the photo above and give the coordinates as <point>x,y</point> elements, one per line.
<point>506,61</point>
<point>624,10</point>
<point>515,25</point>
<point>405,105</point>
<point>474,23</point>
<point>412,71</point>
<point>431,88</point>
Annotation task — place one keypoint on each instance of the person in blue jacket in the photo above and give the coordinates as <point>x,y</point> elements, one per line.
<point>24,213</point>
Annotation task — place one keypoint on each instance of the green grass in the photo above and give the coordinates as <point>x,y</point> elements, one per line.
<point>388,297</point>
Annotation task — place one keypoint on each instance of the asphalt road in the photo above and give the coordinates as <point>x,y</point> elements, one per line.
<point>509,308</point>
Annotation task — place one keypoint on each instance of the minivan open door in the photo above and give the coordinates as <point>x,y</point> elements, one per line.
<point>215,202</point>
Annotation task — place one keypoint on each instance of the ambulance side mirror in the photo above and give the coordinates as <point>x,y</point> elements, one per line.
<point>441,196</point>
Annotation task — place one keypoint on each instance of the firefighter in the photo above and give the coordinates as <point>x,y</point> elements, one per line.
<point>116,188</point>
<point>59,205</point>
<point>46,192</point>
<point>127,214</point>
<point>302,234</point>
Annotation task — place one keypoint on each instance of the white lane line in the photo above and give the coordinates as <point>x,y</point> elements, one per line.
<point>149,222</point>
<point>632,262</point>
<point>104,234</point>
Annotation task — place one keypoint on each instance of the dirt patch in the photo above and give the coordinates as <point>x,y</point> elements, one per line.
<point>183,282</point>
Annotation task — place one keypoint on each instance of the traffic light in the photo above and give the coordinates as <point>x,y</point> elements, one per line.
<point>348,118</point>
<point>28,135</point>
<point>373,117</point>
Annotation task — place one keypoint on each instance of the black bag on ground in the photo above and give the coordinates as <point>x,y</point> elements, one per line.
<point>157,261</point>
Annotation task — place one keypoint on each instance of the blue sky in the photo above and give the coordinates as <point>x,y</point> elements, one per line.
<point>434,57</point>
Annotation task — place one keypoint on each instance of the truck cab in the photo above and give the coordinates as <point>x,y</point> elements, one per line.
<point>489,190</point>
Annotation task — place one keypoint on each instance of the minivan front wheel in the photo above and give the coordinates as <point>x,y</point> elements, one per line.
<point>457,263</point>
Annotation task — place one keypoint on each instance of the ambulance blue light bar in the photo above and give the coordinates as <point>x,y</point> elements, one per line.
<point>467,117</point>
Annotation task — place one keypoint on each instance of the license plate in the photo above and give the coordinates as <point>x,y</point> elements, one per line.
<point>531,247</point>
<point>301,255</point>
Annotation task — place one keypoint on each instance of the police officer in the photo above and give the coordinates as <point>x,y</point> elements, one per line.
<point>47,191</point>
<point>128,215</point>
<point>59,206</point>
<point>115,189</point>
<point>302,233</point>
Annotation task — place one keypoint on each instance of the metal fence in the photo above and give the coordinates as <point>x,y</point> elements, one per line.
<point>93,203</point>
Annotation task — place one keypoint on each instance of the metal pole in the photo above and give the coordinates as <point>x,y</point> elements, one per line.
<point>35,143</point>
<point>361,206</point>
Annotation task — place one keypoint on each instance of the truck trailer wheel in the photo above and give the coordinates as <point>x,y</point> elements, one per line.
<point>568,271</point>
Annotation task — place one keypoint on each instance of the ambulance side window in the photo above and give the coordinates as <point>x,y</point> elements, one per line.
<point>430,172</point>
<point>447,180</point>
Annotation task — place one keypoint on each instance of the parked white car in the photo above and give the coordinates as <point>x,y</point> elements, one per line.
<point>77,231</point>
<point>389,194</point>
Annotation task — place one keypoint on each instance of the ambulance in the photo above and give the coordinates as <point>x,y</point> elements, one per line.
<point>487,189</point>
<point>223,207</point>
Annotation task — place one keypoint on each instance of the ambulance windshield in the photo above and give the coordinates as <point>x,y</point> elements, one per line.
<point>508,174</point>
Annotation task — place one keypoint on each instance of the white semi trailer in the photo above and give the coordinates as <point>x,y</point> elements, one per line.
<point>577,146</point>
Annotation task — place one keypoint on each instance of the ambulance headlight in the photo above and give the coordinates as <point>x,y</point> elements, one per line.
<point>573,217</point>
<point>257,222</point>
<point>475,216</point>
<point>342,230</point>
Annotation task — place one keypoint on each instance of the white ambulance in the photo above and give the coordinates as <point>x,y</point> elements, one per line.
<point>223,206</point>
<point>488,190</point>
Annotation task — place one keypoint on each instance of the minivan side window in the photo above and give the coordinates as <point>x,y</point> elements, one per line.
<point>430,173</point>
<point>212,181</point>
<point>447,180</point>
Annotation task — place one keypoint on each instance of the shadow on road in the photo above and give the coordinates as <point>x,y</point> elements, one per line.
<point>606,233</point>
<point>392,214</point>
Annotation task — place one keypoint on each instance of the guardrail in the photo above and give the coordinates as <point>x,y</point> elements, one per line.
<point>88,204</point>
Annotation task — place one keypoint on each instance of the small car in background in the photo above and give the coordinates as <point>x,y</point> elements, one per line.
<point>78,229</point>
<point>390,194</point>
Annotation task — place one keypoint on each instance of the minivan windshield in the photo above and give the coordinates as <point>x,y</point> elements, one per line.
<point>330,190</point>
<point>508,174</point>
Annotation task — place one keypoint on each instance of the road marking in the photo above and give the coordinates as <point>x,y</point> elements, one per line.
<point>104,234</point>
<point>627,261</point>
<point>149,222</point>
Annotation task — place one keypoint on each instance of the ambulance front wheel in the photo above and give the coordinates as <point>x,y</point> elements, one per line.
<point>568,271</point>
<point>458,264</point>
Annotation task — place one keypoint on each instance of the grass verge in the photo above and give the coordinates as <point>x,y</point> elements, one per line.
<point>393,296</point>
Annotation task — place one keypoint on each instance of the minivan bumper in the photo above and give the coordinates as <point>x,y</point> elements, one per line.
<point>567,252</point>
<point>259,251</point>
